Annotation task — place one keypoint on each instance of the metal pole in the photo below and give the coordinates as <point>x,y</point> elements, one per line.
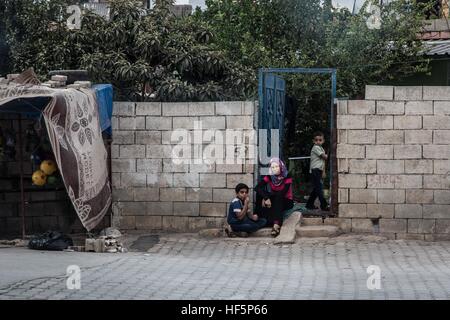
<point>22,193</point>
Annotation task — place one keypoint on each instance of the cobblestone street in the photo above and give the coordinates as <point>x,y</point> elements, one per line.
<point>186,267</point>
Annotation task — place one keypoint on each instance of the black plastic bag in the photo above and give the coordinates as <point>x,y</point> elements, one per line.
<point>50,240</point>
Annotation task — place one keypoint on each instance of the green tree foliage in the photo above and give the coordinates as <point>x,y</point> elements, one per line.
<point>146,55</point>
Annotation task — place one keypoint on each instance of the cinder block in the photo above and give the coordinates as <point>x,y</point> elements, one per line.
<point>379,92</point>
<point>362,225</point>
<point>173,109</point>
<point>224,195</point>
<point>201,108</point>
<point>380,210</point>
<point>436,92</point>
<point>390,137</point>
<point>229,168</point>
<point>422,225</point>
<point>199,194</point>
<point>407,152</point>
<point>379,152</point>
<point>159,208</point>
<point>350,151</point>
<point>123,194</point>
<point>436,122</point>
<point>363,196</point>
<point>436,181</point>
<point>162,180</point>
<point>159,151</point>
<point>123,137</point>
<point>408,182</point>
<point>239,122</point>
<point>127,223</point>
<point>352,210</point>
<point>149,165</point>
<point>419,196</point>
<point>189,209</point>
<point>442,226</point>
<point>410,211</point>
<point>133,180</point>
<point>442,107</point>
<point>148,108</point>
<point>177,137</point>
<point>149,222</point>
<point>442,196</point>
<point>213,209</point>
<point>407,122</point>
<point>148,137</point>
<point>170,166</point>
<point>132,123</point>
<point>380,181</point>
<point>343,195</point>
<point>351,122</point>
<point>408,93</point>
<point>380,122</point>
<point>391,196</point>
<point>188,123</point>
<point>419,166</point>
<point>361,136</point>
<point>132,151</point>
<point>134,208</point>
<point>343,165</point>
<point>115,180</point>
<point>184,180</point>
<point>249,108</point>
<point>146,194</point>
<point>342,107</point>
<point>213,180</point>
<point>115,151</point>
<point>436,211</point>
<point>202,168</point>
<point>409,236</point>
<point>115,123</point>
<point>441,137</point>
<point>393,225</point>
<point>441,166</point>
<point>418,107</point>
<point>123,109</point>
<point>418,136</point>
<point>390,166</point>
<point>216,123</point>
<point>362,166</point>
<point>159,123</point>
<point>175,224</point>
<point>229,108</point>
<point>123,165</point>
<point>234,179</point>
<point>436,152</point>
<point>361,107</point>
<point>172,194</point>
<point>352,181</point>
<point>390,107</point>
<point>342,136</point>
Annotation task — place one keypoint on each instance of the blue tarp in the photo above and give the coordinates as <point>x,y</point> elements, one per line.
<point>33,106</point>
<point>104,94</point>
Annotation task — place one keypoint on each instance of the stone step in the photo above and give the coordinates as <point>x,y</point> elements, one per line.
<point>317,231</point>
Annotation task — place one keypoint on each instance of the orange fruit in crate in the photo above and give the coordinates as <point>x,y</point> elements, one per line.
<point>48,167</point>
<point>39,178</point>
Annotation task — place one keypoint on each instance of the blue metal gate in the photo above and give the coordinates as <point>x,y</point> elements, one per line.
<point>271,114</point>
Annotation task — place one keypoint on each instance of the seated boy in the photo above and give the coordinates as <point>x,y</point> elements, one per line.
<point>240,219</point>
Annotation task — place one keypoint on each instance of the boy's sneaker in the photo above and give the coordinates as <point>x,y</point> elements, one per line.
<point>242,234</point>
<point>229,232</point>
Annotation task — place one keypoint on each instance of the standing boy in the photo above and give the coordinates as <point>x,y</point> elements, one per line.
<point>317,170</point>
<point>240,219</point>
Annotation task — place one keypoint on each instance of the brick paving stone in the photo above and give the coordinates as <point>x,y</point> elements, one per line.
<point>186,267</point>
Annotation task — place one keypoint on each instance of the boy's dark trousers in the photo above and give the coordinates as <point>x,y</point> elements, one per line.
<point>316,177</point>
<point>248,225</point>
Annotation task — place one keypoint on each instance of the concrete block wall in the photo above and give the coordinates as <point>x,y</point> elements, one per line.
<point>150,191</point>
<point>394,162</point>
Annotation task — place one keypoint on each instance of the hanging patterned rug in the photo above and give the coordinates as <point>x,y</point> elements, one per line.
<point>73,126</point>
